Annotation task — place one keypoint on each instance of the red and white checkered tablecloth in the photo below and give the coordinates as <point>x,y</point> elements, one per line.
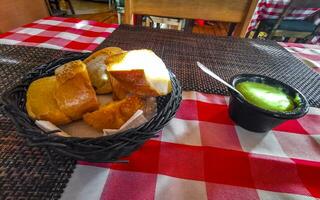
<point>60,33</point>
<point>308,53</point>
<point>271,9</point>
<point>201,154</point>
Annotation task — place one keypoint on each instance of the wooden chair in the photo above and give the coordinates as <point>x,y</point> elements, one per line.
<point>55,9</point>
<point>290,28</point>
<point>19,12</point>
<point>233,11</point>
<point>119,4</point>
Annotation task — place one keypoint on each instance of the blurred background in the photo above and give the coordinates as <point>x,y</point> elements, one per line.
<point>280,20</point>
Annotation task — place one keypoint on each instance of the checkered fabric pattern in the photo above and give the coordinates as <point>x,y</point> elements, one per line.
<point>60,33</point>
<point>308,53</point>
<point>202,154</point>
<point>271,9</point>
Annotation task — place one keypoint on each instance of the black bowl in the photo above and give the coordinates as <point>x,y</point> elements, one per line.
<point>257,119</point>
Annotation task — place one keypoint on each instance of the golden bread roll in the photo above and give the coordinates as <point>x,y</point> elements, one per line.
<point>41,103</point>
<point>141,72</point>
<point>74,94</point>
<point>114,114</point>
<point>97,69</point>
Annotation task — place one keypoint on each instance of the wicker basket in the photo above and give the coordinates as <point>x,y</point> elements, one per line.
<point>101,149</point>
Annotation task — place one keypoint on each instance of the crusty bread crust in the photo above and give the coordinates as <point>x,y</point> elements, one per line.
<point>41,103</point>
<point>71,69</point>
<point>114,114</point>
<point>74,94</point>
<point>109,51</point>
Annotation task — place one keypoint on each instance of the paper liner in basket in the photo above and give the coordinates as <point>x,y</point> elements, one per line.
<point>81,129</point>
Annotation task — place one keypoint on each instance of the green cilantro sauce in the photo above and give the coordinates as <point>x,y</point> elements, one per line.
<point>266,96</point>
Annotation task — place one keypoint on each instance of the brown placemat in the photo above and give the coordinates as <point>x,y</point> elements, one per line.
<point>225,56</point>
<point>26,172</point>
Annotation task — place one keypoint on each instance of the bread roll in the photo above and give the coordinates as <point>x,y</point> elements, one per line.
<point>74,94</point>
<point>141,72</point>
<point>97,69</point>
<point>114,114</point>
<point>41,104</point>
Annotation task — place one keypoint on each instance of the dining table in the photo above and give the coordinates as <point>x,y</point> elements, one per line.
<point>272,9</point>
<point>201,153</point>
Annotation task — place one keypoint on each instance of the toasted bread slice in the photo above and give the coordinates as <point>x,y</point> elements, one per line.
<point>74,93</point>
<point>114,114</point>
<point>141,72</point>
<point>41,104</point>
<point>97,69</point>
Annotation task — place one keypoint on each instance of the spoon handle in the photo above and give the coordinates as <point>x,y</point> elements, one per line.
<point>215,76</point>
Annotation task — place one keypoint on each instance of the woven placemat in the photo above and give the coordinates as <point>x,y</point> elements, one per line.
<point>26,172</point>
<point>225,56</point>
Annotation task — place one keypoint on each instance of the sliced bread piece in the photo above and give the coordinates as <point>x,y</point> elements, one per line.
<point>114,114</point>
<point>74,94</point>
<point>41,104</point>
<point>97,69</point>
<point>141,72</point>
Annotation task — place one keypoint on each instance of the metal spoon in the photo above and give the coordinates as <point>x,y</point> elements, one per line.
<point>215,76</point>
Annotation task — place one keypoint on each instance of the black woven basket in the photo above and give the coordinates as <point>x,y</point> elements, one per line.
<point>101,149</point>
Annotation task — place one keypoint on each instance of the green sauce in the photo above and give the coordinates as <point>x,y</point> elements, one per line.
<point>265,96</point>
